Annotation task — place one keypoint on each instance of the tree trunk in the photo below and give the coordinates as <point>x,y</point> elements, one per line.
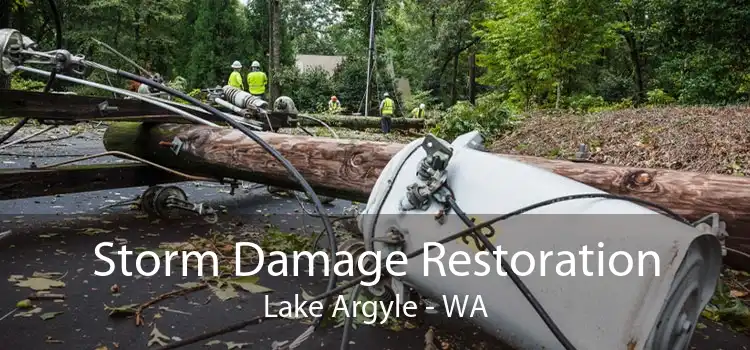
<point>275,61</point>
<point>472,77</point>
<point>5,23</point>
<point>362,123</point>
<point>349,168</point>
<point>454,89</point>
<point>635,58</point>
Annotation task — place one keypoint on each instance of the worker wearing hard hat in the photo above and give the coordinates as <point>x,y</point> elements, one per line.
<point>235,79</point>
<point>334,105</point>
<point>418,112</point>
<point>256,80</point>
<point>386,113</point>
<point>146,90</point>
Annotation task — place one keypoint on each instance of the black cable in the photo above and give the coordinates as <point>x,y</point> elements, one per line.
<point>564,341</point>
<point>350,318</point>
<point>275,153</point>
<point>306,132</point>
<point>467,231</point>
<point>25,120</point>
<point>48,86</point>
<point>58,24</point>
<point>14,130</point>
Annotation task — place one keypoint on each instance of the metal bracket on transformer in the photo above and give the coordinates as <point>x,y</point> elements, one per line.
<point>431,175</point>
<point>712,224</point>
<point>176,145</point>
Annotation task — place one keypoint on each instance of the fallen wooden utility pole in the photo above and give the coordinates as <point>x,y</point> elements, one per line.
<point>348,169</point>
<point>362,123</point>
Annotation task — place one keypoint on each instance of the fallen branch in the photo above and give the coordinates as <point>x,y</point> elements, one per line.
<point>45,296</point>
<point>174,293</point>
<point>231,328</point>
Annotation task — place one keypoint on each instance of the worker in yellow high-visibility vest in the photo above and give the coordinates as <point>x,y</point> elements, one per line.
<point>418,112</point>
<point>235,79</point>
<point>257,81</point>
<point>386,113</point>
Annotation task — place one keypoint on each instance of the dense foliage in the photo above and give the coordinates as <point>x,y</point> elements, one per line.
<point>529,54</point>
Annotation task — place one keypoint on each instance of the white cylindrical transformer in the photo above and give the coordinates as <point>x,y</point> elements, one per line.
<point>243,99</point>
<point>600,306</point>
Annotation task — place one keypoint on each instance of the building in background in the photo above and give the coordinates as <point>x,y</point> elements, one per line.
<point>327,63</point>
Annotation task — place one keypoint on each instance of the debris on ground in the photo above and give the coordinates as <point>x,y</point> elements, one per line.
<point>730,303</point>
<point>157,337</point>
<point>50,315</point>
<point>667,138</point>
<point>40,283</point>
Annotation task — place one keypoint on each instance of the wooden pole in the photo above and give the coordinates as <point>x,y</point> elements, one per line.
<point>348,169</point>
<point>362,123</point>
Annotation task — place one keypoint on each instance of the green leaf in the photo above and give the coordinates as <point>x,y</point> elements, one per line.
<point>306,296</point>
<point>36,283</point>
<point>15,278</point>
<point>29,313</point>
<point>232,345</point>
<point>49,315</point>
<point>248,283</point>
<point>188,285</point>
<point>225,292</point>
<point>91,231</point>
<point>121,310</point>
<point>24,304</point>
<point>212,343</point>
<point>156,337</point>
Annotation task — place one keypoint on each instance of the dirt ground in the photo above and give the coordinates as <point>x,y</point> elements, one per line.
<point>702,139</point>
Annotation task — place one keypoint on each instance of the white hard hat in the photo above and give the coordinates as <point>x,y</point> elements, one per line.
<point>421,106</point>
<point>236,64</point>
<point>385,94</point>
<point>255,64</point>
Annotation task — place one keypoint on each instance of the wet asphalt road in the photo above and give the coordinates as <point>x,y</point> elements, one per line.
<point>46,237</point>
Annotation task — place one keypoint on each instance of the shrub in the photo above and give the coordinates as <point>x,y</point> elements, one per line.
<point>310,89</point>
<point>585,103</point>
<point>658,97</point>
<point>19,83</point>
<point>490,116</point>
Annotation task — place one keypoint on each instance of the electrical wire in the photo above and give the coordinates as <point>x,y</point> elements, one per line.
<point>513,277</point>
<point>273,152</point>
<point>21,140</point>
<point>53,139</point>
<point>117,53</point>
<point>14,129</point>
<point>129,156</point>
<point>738,252</point>
<point>336,136</point>
<point>349,319</point>
<point>197,109</point>
<point>135,95</point>
<point>476,230</point>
